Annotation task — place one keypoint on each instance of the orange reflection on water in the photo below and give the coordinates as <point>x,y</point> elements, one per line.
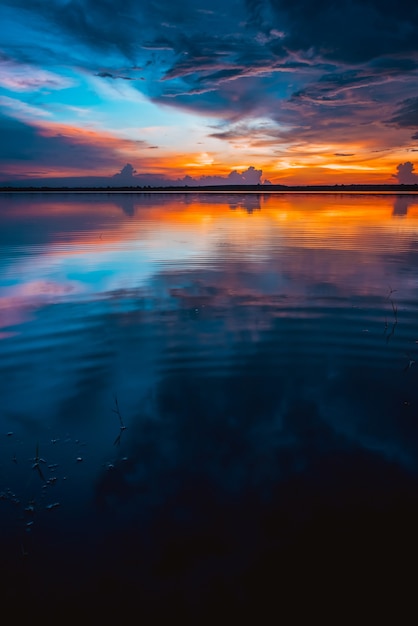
<point>102,229</point>
<point>99,221</point>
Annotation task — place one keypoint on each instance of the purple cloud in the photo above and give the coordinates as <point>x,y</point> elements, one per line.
<point>311,69</point>
<point>406,174</point>
<point>250,176</point>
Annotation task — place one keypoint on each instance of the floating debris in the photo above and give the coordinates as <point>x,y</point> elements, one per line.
<point>54,505</point>
<point>9,496</point>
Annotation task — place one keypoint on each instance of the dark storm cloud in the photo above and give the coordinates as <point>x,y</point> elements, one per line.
<point>349,31</point>
<point>23,142</point>
<point>18,140</point>
<point>395,64</point>
<point>343,58</point>
<point>304,64</point>
<point>406,115</point>
<point>98,25</point>
<point>128,28</point>
<point>113,76</point>
<point>306,117</point>
<point>274,29</point>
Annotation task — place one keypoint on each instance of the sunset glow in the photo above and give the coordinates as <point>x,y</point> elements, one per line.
<point>240,93</point>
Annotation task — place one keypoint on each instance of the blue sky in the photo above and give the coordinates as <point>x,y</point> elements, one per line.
<point>239,90</point>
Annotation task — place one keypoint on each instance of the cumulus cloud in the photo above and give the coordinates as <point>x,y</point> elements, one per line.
<point>405,174</point>
<point>250,176</point>
<point>126,174</point>
<point>129,176</point>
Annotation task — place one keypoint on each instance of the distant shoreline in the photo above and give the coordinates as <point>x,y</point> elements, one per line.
<point>259,189</point>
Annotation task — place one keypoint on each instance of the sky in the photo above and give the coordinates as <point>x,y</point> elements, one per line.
<point>148,92</point>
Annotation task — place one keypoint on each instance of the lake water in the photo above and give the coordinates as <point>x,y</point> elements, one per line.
<point>208,402</point>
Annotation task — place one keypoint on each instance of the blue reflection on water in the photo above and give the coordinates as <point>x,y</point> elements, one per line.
<point>205,397</point>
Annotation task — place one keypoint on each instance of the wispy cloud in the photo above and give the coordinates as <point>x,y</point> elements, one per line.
<point>22,111</point>
<point>341,77</point>
<point>406,115</point>
<point>21,77</point>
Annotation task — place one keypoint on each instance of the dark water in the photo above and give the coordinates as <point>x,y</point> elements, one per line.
<point>208,403</point>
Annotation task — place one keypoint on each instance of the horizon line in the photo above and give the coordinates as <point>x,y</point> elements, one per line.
<point>410,188</point>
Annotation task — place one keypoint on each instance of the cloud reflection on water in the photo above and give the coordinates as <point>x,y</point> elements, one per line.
<point>248,353</point>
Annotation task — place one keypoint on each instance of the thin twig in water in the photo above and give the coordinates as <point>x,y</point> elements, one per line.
<point>37,463</point>
<point>388,336</point>
<point>410,363</point>
<point>395,316</point>
<point>122,426</point>
<point>391,291</point>
<point>395,310</point>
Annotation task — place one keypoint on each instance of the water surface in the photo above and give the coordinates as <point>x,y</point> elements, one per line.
<point>207,400</point>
